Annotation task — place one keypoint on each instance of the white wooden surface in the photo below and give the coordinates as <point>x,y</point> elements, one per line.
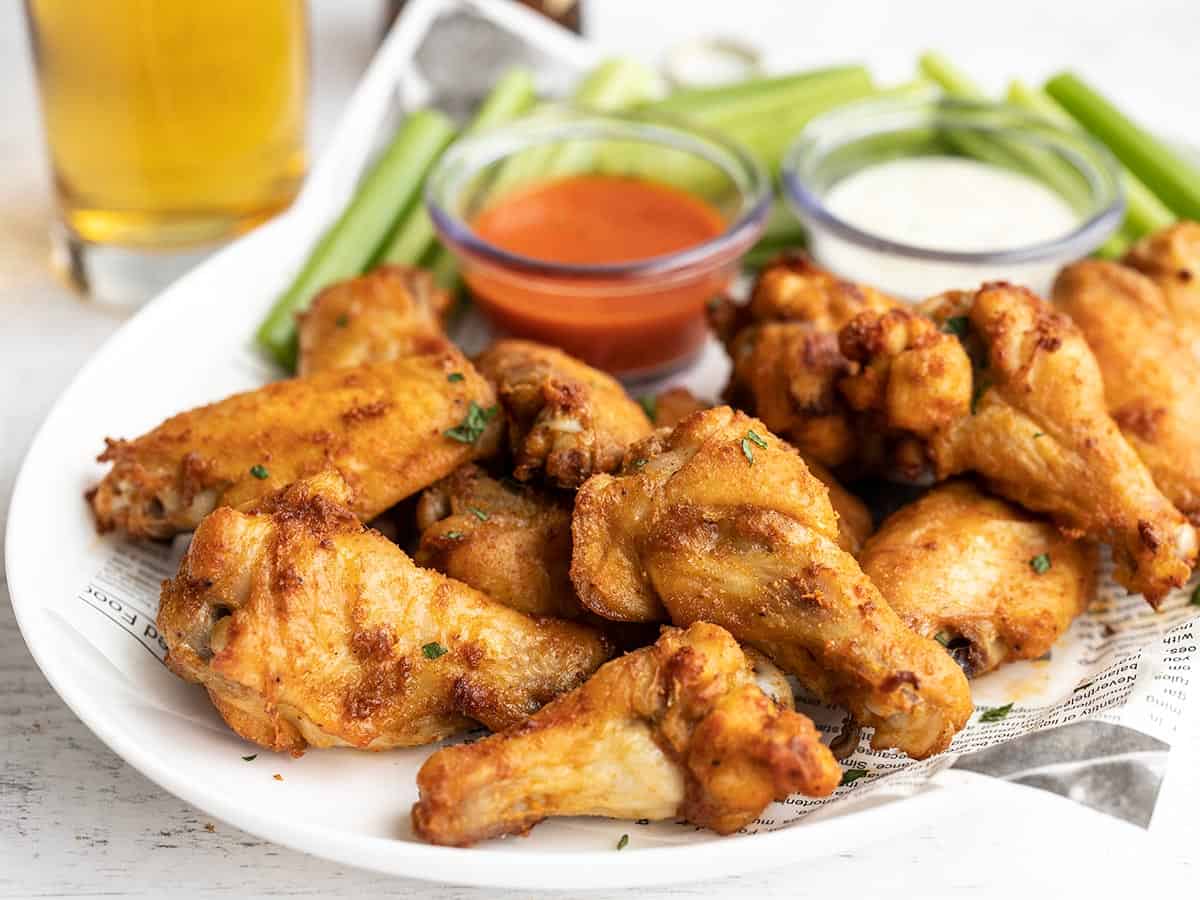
<point>76,821</point>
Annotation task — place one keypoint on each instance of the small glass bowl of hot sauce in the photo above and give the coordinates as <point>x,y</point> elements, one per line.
<point>603,234</point>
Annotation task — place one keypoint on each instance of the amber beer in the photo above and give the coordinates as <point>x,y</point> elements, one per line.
<point>171,122</point>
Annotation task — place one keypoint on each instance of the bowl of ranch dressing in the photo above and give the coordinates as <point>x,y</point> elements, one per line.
<point>927,194</point>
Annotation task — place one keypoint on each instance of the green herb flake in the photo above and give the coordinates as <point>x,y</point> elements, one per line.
<point>251,758</point>
<point>478,513</point>
<point>342,321</point>
<point>454,535</point>
<point>639,464</point>
<point>473,425</point>
<point>996,713</point>
<point>649,405</point>
<point>1196,596</point>
<point>259,471</point>
<point>852,775</point>
<point>752,435</point>
<point>746,451</point>
<point>433,650</point>
<point>957,326</point>
<point>943,638</point>
<point>1039,434</point>
<point>455,377</point>
<point>1040,563</point>
<point>623,842</point>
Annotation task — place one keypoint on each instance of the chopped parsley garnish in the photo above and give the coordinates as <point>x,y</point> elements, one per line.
<point>957,326</point>
<point>259,471</point>
<point>454,535</point>
<point>1196,596</point>
<point>469,430</point>
<point>746,451</point>
<point>478,513</point>
<point>623,842</point>
<point>342,321</point>
<point>1040,563</point>
<point>756,438</point>
<point>649,405</point>
<point>639,463</point>
<point>996,713</point>
<point>852,775</point>
<point>943,638</point>
<point>433,650</point>
<point>456,376</point>
<point>251,758</point>
<point>1039,434</point>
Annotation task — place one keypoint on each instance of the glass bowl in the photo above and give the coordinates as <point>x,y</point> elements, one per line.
<point>851,139</point>
<point>635,319</point>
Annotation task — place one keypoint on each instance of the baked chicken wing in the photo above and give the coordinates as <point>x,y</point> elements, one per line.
<point>677,729</point>
<point>1151,377</point>
<point>308,629</point>
<point>1010,390</point>
<point>987,580</point>
<point>566,419</point>
<point>1171,259</point>
<point>390,312</point>
<point>389,428</point>
<point>509,540</point>
<point>721,522</point>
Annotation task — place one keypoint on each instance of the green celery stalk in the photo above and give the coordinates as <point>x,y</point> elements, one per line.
<point>414,233</point>
<point>391,183</point>
<point>1144,212</point>
<point>1174,180</point>
<point>740,98</point>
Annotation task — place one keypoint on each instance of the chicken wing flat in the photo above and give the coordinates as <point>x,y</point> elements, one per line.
<point>509,540</point>
<point>389,428</point>
<point>390,312</point>
<point>566,419</point>
<point>1151,377</point>
<point>987,580</point>
<point>786,359</point>
<point>1030,418</point>
<point>308,629</point>
<point>721,522</point>
<point>1171,259</point>
<point>677,729</point>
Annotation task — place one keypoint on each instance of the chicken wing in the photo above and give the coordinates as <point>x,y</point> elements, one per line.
<point>1031,419</point>
<point>390,312</point>
<point>566,419</point>
<point>509,540</point>
<point>1151,377</point>
<point>987,580</point>
<point>721,522</point>
<point>678,729</point>
<point>389,428</point>
<point>1171,259</point>
<point>674,405</point>
<point>308,629</point>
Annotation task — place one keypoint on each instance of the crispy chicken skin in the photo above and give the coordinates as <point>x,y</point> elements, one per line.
<point>674,405</point>
<point>382,426</point>
<point>1151,377</point>
<point>1031,419</point>
<point>566,419</point>
<point>509,540</point>
<point>1171,259</point>
<point>677,729</point>
<point>714,527</point>
<point>390,312</point>
<point>785,354</point>
<point>854,519</point>
<point>308,629</point>
<point>958,566</point>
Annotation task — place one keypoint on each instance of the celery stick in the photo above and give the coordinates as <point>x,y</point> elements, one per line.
<point>953,81</point>
<point>852,84</point>
<point>389,185</point>
<point>441,262</point>
<point>1144,212</point>
<point>707,104</point>
<point>1173,179</point>
<point>414,233</point>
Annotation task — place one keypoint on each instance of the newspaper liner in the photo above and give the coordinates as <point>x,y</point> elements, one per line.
<point>1120,662</point>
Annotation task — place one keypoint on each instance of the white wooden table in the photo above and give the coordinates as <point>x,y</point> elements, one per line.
<point>76,821</point>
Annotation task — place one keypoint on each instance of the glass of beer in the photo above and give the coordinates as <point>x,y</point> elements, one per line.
<point>172,125</point>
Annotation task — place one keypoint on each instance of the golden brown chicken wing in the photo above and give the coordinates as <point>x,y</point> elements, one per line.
<point>987,580</point>
<point>1171,259</point>
<point>1031,419</point>
<point>1151,377</point>
<point>509,540</point>
<point>307,628</point>
<point>389,428</point>
<point>674,405</point>
<point>854,519</point>
<point>390,312</point>
<point>566,419</point>
<point>721,522</point>
<point>678,729</point>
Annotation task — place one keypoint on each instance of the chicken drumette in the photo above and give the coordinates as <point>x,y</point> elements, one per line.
<point>999,383</point>
<point>1171,259</point>
<point>988,581</point>
<point>308,629</point>
<point>720,521</point>
<point>678,729</point>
